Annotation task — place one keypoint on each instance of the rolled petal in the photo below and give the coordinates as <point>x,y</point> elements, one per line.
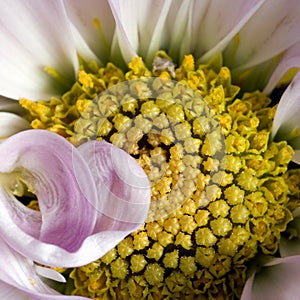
<point>19,279</point>
<point>94,28</point>
<point>264,37</point>
<point>11,124</point>
<point>67,215</point>
<point>276,280</point>
<point>41,38</point>
<point>76,224</point>
<point>290,59</point>
<point>122,185</point>
<point>286,125</point>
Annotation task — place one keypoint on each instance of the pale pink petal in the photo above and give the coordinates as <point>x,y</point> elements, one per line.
<point>44,161</point>
<point>122,185</point>
<point>34,35</point>
<point>77,223</point>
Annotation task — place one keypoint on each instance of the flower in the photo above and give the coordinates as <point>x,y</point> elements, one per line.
<point>233,206</point>
<point>75,223</point>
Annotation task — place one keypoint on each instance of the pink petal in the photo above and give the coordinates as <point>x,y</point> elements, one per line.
<point>122,185</point>
<point>67,217</point>
<point>77,224</point>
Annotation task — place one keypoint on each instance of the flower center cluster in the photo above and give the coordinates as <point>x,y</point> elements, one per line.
<point>221,189</point>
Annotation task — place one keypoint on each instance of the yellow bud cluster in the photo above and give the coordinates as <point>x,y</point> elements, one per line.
<point>221,190</point>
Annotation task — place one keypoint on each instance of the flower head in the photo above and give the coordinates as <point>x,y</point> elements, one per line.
<point>217,163</point>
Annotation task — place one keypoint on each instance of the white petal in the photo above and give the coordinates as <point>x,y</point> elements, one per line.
<point>287,116</point>
<point>140,26</point>
<point>272,30</point>
<point>278,280</point>
<point>182,23</point>
<point>10,105</point>
<point>11,124</point>
<point>9,292</point>
<point>41,38</point>
<point>19,279</point>
<point>290,59</point>
<point>94,27</point>
<point>50,274</point>
<point>222,21</point>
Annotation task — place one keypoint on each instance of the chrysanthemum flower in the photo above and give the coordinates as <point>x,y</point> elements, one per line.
<point>191,115</point>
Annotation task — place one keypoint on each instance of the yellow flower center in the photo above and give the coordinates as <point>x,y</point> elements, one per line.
<point>221,189</point>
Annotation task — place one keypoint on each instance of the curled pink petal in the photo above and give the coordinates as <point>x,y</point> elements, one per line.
<point>122,185</point>
<point>89,199</point>
<point>44,161</point>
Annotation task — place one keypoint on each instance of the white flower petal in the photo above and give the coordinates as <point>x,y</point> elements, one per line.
<point>286,120</point>
<point>182,23</point>
<point>222,21</point>
<point>276,280</point>
<point>272,30</point>
<point>95,27</point>
<point>20,281</point>
<point>10,105</point>
<point>40,38</point>
<point>49,274</point>
<point>140,26</point>
<point>11,124</point>
<point>290,59</point>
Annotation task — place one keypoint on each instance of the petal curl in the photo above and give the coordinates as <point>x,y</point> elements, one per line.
<point>44,161</point>
<point>19,279</point>
<point>286,125</point>
<point>77,224</point>
<point>122,185</point>
<point>41,38</point>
